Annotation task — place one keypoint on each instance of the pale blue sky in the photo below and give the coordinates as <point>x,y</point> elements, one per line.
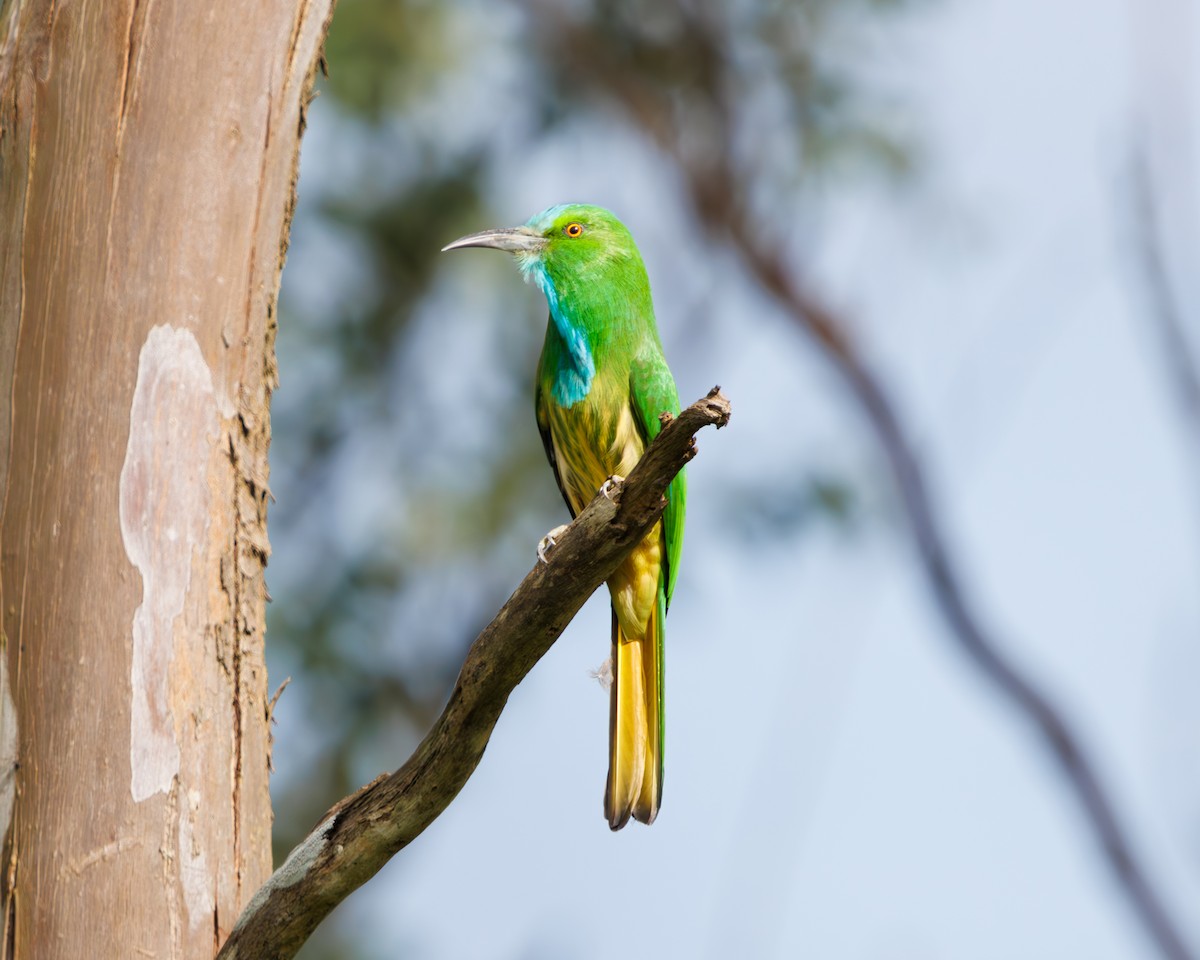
<point>840,782</point>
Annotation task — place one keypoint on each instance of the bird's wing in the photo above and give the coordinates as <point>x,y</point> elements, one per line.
<point>652,393</point>
<point>543,422</point>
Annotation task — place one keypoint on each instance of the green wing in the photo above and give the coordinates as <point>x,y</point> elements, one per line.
<point>543,422</point>
<point>652,392</point>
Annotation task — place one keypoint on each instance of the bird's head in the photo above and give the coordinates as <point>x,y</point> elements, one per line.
<point>564,246</point>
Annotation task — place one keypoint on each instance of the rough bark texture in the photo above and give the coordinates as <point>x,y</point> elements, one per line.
<point>147,166</point>
<point>361,833</point>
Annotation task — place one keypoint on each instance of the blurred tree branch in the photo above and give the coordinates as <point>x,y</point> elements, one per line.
<point>691,115</point>
<point>1164,310</point>
<point>362,832</point>
<point>966,626</point>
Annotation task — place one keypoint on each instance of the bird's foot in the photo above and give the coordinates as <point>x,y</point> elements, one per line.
<point>611,484</point>
<point>550,540</point>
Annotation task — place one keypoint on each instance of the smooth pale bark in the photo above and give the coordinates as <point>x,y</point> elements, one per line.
<point>147,166</point>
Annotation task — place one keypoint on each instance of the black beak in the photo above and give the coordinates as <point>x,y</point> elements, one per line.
<point>512,239</point>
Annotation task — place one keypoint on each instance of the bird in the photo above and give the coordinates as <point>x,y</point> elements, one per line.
<point>602,385</point>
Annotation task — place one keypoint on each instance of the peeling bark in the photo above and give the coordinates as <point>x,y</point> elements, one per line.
<point>148,159</point>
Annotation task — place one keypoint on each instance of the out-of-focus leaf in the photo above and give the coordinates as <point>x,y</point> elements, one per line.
<point>382,53</point>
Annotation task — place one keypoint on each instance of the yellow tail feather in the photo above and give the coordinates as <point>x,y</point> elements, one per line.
<point>634,787</point>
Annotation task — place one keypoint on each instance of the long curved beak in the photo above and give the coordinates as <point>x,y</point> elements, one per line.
<point>512,239</point>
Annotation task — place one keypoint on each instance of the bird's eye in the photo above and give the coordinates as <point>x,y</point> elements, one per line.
<point>573,229</point>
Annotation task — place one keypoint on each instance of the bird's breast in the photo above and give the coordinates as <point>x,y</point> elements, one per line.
<point>593,439</point>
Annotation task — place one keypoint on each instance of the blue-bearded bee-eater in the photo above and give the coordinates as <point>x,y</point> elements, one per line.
<point>602,383</point>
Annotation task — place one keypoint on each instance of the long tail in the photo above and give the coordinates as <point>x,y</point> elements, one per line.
<point>635,765</point>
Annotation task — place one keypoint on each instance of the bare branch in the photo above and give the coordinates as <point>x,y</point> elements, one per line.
<point>966,626</point>
<point>1064,744</point>
<point>363,831</point>
<point>941,569</point>
<point>1164,309</point>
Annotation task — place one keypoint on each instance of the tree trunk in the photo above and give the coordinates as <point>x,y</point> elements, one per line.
<point>147,165</point>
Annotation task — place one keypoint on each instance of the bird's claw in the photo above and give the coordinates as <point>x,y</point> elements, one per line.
<point>609,485</point>
<point>548,541</point>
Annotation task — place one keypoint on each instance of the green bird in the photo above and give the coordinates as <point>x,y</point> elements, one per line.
<point>602,384</point>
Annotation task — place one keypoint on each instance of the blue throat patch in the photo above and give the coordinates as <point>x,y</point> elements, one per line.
<point>576,368</point>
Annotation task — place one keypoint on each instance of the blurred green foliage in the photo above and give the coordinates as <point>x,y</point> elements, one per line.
<point>372,615</point>
<point>385,53</point>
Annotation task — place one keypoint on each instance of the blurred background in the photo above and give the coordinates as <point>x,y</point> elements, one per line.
<point>911,239</point>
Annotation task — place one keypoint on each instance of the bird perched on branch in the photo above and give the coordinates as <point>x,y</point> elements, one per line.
<point>602,385</point>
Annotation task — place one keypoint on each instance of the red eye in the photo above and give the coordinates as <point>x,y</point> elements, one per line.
<point>573,229</point>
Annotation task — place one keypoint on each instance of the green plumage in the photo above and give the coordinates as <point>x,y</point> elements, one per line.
<point>602,384</point>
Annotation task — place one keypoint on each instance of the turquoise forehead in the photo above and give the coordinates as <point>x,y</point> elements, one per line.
<point>545,220</point>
